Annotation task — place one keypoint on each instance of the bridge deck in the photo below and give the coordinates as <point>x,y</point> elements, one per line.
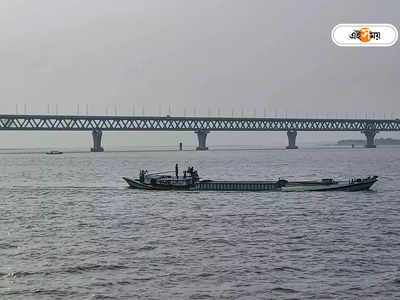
<point>147,123</point>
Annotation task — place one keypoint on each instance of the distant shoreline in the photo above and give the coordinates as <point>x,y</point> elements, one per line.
<point>43,151</point>
<point>379,141</point>
<point>149,150</point>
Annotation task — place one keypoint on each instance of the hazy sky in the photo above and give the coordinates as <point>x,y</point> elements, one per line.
<point>203,55</point>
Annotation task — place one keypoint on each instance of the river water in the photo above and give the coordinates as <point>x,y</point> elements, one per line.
<point>70,229</point>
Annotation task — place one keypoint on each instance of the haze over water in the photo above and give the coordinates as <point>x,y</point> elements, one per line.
<point>70,229</point>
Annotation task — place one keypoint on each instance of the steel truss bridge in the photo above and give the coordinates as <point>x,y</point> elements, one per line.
<point>200,125</point>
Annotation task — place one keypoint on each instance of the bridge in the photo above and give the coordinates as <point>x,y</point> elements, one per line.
<point>199,125</point>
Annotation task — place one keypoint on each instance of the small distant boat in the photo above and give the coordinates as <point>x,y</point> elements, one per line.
<point>191,181</point>
<point>53,152</point>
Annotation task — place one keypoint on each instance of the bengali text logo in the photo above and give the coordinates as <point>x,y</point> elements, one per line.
<point>364,35</point>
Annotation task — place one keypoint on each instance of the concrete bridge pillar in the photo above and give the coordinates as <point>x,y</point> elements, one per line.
<point>370,135</point>
<point>97,134</point>
<point>202,136</point>
<point>292,134</point>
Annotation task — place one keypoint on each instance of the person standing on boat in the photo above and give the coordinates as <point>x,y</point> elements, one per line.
<point>190,171</point>
<point>176,171</point>
<point>141,176</point>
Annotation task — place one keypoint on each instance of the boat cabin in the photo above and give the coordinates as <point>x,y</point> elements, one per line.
<point>190,177</point>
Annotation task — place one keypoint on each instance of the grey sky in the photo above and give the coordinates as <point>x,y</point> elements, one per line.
<point>206,55</point>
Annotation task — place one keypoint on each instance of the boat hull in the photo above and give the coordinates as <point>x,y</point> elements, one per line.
<point>341,186</point>
<point>244,186</point>
<point>137,184</point>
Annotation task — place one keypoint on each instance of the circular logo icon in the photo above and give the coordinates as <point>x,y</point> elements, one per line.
<point>365,35</point>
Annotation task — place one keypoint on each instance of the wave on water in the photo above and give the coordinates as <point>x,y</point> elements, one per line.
<point>29,294</point>
<point>69,270</point>
<point>24,188</point>
<point>284,290</point>
<point>287,268</point>
<point>4,246</point>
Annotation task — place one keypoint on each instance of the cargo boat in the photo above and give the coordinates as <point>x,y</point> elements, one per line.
<point>191,181</point>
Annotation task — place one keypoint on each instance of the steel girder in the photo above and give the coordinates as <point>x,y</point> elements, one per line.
<point>129,123</point>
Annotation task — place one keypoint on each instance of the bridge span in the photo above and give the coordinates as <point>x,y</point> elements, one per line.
<point>199,125</point>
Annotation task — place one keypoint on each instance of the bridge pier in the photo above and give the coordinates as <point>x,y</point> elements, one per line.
<point>292,134</point>
<point>97,134</point>
<point>202,136</point>
<point>370,135</point>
